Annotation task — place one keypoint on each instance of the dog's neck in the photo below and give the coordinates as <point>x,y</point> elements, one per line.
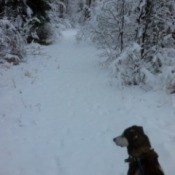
<point>139,152</point>
<point>141,155</point>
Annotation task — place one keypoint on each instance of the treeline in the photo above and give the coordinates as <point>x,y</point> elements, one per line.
<point>137,38</point>
<point>26,21</point>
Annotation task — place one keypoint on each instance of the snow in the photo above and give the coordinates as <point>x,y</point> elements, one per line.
<point>59,112</point>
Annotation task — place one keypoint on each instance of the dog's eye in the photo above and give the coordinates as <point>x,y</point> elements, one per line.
<point>135,137</point>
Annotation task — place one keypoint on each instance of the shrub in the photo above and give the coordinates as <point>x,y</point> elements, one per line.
<point>11,47</point>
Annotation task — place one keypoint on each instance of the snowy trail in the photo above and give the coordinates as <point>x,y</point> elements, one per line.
<point>59,113</point>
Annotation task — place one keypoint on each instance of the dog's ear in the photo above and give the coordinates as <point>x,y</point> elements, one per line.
<point>140,128</point>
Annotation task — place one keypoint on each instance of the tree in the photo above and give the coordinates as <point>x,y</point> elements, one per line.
<point>113,27</point>
<point>23,21</point>
<point>154,23</point>
<point>39,21</point>
<point>30,18</point>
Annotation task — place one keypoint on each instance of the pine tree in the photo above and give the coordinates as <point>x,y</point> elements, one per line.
<point>39,31</point>
<point>30,17</point>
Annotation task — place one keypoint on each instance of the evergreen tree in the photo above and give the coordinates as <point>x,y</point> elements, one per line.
<point>30,17</point>
<point>21,21</point>
<point>39,21</point>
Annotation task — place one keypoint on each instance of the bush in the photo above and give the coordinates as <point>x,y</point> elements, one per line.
<point>11,43</point>
<point>128,67</point>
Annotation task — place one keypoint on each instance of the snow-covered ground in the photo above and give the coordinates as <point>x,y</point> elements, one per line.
<point>59,112</point>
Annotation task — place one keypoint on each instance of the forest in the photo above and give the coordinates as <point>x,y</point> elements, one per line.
<point>137,39</point>
<point>74,74</point>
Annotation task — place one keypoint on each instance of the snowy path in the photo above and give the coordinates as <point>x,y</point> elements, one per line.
<point>59,113</point>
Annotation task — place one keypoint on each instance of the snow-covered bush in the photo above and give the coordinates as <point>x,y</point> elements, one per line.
<point>58,16</point>
<point>11,43</point>
<point>128,68</point>
<point>42,34</point>
<point>79,11</point>
<point>168,69</point>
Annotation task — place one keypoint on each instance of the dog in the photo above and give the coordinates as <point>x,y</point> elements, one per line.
<point>143,160</point>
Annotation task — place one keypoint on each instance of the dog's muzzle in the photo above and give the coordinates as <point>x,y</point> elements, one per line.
<point>121,141</point>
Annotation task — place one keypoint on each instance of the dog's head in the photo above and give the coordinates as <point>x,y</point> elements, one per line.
<point>133,136</point>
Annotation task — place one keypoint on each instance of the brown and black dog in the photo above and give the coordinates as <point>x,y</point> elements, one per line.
<point>143,160</point>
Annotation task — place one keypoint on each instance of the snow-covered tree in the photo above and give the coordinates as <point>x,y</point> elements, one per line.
<point>113,27</point>
<point>30,18</point>
<point>118,26</point>
<point>152,26</point>
<point>23,21</point>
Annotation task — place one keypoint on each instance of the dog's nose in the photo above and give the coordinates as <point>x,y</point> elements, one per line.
<point>114,139</point>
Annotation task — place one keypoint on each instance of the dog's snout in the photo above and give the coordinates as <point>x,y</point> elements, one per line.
<point>121,141</point>
<point>115,139</point>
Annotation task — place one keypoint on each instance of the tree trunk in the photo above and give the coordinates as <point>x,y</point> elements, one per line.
<point>146,18</point>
